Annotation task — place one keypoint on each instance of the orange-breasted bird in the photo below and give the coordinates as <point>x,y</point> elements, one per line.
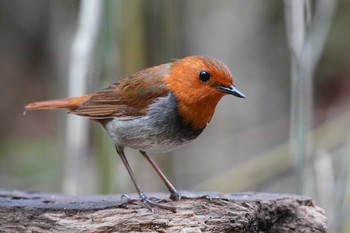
<point>158,109</point>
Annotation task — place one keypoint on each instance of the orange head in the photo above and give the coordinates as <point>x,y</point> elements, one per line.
<point>198,83</point>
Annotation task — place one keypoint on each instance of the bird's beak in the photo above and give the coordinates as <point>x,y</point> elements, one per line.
<point>231,90</point>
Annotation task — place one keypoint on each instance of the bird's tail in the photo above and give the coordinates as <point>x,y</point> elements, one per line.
<point>67,103</point>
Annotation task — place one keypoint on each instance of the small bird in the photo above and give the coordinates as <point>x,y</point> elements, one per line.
<point>158,109</point>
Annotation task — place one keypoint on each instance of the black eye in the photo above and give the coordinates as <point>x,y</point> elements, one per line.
<point>204,76</point>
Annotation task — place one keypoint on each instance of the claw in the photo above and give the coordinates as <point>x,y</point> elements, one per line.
<point>126,197</point>
<point>149,203</point>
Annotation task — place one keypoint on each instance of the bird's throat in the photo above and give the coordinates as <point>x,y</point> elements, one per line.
<point>198,114</point>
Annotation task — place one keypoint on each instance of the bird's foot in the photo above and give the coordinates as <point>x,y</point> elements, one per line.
<point>149,203</point>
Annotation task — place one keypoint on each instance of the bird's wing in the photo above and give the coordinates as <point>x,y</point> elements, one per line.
<point>128,98</point>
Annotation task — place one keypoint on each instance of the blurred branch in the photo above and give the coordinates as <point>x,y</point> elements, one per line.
<point>77,164</point>
<point>248,175</point>
<point>108,71</point>
<point>307,34</point>
<point>325,178</point>
<point>332,180</point>
<point>341,191</point>
<point>301,100</point>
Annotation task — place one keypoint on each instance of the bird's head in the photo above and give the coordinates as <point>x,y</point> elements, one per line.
<point>198,83</point>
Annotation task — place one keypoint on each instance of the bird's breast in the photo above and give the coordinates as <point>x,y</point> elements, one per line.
<point>160,130</point>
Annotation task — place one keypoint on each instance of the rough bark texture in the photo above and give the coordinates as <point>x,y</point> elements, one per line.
<point>242,212</point>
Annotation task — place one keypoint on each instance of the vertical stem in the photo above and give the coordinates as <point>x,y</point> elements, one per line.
<point>77,163</point>
<point>307,32</point>
<point>299,123</point>
<point>338,215</point>
<point>108,54</point>
<point>301,85</point>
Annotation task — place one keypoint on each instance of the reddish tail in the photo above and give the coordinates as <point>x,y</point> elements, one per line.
<point>68,103</point>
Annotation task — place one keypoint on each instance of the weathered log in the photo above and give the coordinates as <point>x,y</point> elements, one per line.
<point>241,212</point>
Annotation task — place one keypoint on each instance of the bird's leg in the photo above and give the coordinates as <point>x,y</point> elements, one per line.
<point>174,195</point>
<point>146,201</point>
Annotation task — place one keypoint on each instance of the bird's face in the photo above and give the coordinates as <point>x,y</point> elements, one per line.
<point>198,84</point>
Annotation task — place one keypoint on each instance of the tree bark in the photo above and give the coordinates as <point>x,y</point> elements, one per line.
<point>240,212</point>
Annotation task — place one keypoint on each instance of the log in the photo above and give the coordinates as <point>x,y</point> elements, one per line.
<point>241,212</point>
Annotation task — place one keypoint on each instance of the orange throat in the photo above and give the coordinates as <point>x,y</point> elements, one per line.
<point>198,114</point>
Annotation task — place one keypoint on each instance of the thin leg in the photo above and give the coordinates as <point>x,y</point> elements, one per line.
<point>174,195</point>
<point>148,203</point>
<point>120,151</point>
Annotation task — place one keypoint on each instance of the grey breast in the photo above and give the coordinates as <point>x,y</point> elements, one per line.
<point>161,130</point>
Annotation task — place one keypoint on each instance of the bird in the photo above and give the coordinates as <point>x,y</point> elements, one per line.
<point>155,110</point>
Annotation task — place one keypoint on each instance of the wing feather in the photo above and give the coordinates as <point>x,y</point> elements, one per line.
<point>128,98</point>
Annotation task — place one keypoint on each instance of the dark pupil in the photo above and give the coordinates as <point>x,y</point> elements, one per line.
<point>204,76</point>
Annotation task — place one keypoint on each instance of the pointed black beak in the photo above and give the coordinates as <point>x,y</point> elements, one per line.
<point>231,90</point>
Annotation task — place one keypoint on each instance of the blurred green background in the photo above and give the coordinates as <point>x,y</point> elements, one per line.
<point>246,146</point>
